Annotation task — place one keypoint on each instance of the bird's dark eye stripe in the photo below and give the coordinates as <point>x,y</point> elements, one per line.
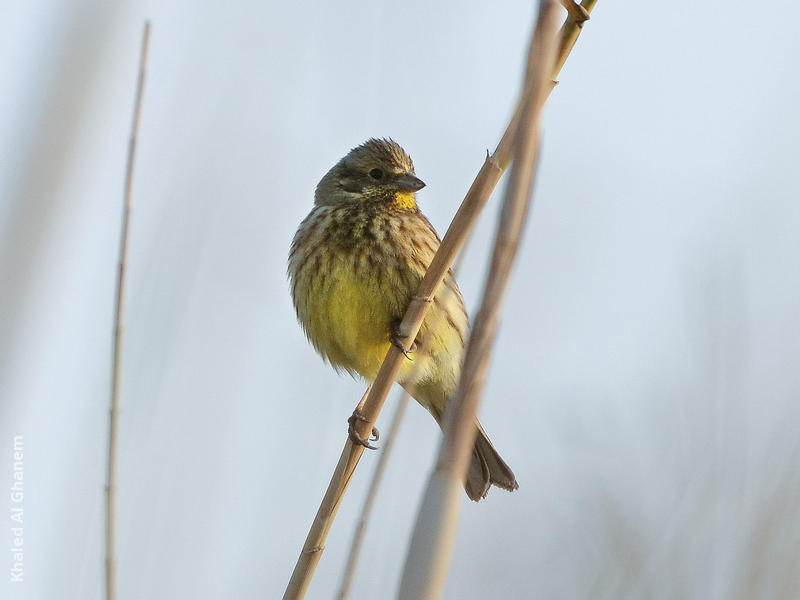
<point>376,174</point>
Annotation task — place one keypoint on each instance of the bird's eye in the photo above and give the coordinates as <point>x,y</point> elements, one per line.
<point>376,174</point>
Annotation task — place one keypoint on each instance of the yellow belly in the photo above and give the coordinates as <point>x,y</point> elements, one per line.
<point>349,300</point>
<point>348,316</point>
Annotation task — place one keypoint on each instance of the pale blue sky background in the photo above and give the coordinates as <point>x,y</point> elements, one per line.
<point>645,384</point>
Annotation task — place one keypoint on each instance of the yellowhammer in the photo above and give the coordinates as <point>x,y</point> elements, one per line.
<point>356,261</point>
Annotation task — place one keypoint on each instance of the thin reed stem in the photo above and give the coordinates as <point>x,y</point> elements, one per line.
<point>429,554</point>
<point>372,494</point>
<point>113,428</point>
<point>383,459</point>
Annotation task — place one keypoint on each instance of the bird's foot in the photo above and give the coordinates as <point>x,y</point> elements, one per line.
<point>397,341</point>
<point>357,439</point>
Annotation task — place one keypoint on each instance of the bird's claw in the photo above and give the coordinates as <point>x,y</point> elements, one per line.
<point>396,340</point>
<point>355,437</point>
<point>406,353</point>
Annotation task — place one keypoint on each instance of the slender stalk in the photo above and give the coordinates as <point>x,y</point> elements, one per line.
<point>577,13</point>
<point>372,494</point>
<point>113,428</point>
<point>429,554</point>
<point>570,31</point>
<point>459,429</point>
<point>478,194</point>
<point>380,468</point>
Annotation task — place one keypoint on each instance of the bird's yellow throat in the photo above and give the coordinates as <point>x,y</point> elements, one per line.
<point>405,200</point>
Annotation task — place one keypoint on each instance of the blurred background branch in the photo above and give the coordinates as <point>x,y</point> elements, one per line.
<point>429,554</point>
<point>119,314</point>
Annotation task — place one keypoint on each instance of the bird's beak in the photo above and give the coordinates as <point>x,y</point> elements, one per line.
<point>410,182</point>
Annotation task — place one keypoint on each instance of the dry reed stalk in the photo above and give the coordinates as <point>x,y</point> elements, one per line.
<point>370,406</point>
<point>113,427</point>
<point>570,30</point>
<point>429,554</point>
<point>380,467</point>
<point>459,420</point>
<point>372,494</point>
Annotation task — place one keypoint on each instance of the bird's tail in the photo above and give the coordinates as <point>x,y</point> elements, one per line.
<point>486,469</point>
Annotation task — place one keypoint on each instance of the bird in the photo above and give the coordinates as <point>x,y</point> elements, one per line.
<point>356,262</point>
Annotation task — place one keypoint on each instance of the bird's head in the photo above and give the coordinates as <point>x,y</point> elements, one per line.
<point>375,171</point>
